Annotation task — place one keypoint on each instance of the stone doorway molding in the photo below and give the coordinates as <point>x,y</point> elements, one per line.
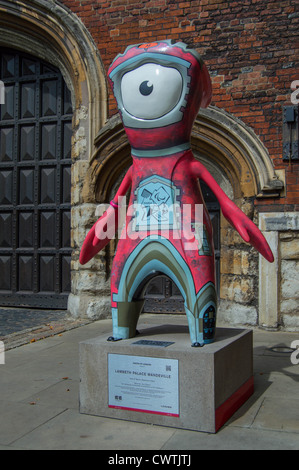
<point>233,147</point>
<point>229,149</point>
<point>231,152</point>
<point>51,32</point>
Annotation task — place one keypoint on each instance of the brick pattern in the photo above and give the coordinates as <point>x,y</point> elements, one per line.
<point>250,48</point>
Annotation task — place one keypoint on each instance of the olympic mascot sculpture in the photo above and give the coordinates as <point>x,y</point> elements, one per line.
<point>159,88</point>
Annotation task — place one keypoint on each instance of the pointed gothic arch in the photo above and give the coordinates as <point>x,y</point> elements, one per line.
<point>231,146</point>
<point>53,33</point>
<point>229,149</point>
<point>232,153</point>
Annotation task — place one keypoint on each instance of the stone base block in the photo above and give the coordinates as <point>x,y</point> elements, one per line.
<point>158,378</point>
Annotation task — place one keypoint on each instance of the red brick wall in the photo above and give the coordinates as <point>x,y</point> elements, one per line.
<point>250,48</point>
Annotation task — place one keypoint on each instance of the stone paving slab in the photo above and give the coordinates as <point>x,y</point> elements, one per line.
<point>233,438</point>
<point>74,431</point>
<point>19,419</point>
<point>278,414</point>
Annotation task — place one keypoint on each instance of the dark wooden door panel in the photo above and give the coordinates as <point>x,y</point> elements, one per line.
<point>35,183</point>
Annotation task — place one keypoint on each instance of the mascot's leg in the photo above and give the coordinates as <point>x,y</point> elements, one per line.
<point>125,309</point>
<point>124,319</point>
<point>201,308</point>
<point>202,316</point>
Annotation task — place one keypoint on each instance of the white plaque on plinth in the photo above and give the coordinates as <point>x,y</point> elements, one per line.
<point>146,384</point>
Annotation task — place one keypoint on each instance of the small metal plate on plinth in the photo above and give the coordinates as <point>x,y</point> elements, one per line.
<point>148,342</point>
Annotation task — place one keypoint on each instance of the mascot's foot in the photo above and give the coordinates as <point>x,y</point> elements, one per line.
<point>197,345</point>
<point>111,338</point>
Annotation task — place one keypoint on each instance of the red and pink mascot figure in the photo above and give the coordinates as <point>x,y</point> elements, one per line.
<point>159,88</point>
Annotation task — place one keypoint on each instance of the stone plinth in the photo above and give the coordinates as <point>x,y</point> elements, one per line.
<point>207,387</point>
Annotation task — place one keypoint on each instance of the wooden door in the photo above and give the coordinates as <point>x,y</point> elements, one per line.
<point>35,183</point>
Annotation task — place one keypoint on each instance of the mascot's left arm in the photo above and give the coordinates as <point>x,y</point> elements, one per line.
<point>244,226</point>
<point>105,227</point>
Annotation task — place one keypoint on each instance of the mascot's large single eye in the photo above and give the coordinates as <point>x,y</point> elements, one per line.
<point>146,88</point>
<point>151,90</point>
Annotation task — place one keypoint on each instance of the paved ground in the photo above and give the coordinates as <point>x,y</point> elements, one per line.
<point>39,385</point>
<point>19,326</point>
<point>13,320</point>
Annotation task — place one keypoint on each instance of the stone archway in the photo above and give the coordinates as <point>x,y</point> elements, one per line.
<point>242,167</point>
<point>51,32</point>
<point>221,141</point>
<point>231,146</point>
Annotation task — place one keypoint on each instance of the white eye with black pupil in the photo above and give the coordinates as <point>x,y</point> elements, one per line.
<point>146,88</point>
<point>151,90</point>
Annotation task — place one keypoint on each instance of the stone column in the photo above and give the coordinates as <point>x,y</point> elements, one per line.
<point>279,281</point>
<point>268,284</point>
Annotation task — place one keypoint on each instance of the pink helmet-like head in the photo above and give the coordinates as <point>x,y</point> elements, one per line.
<point>159,88</point>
